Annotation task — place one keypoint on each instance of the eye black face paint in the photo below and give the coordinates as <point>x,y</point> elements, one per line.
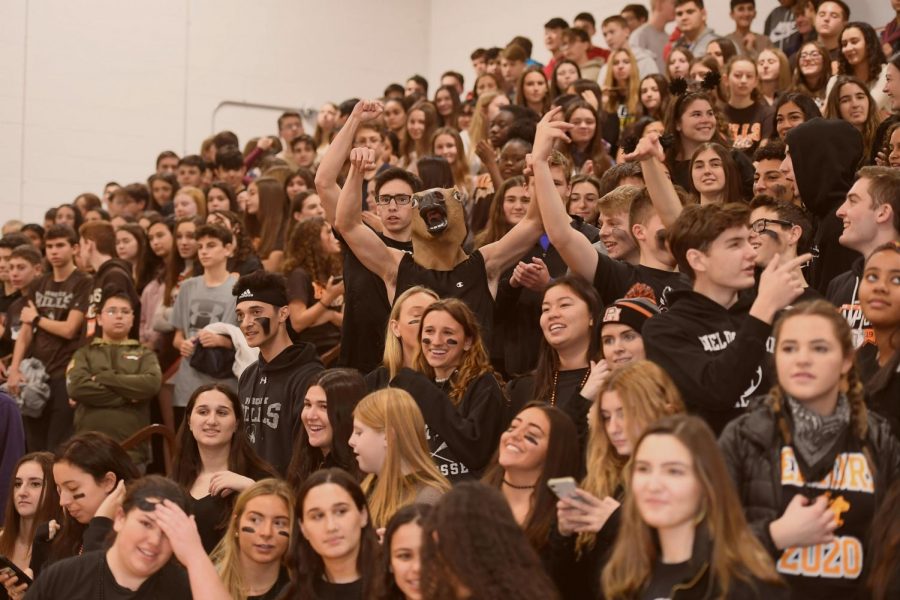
<point>426,341</point>
<point>770,233</point>
<point>78,496</point>
<point>284,533</point>
<point>265,323</point>
<point>452,342</point>
<point>248,529</point>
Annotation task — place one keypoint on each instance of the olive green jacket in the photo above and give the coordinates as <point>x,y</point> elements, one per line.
<point>112,384</point>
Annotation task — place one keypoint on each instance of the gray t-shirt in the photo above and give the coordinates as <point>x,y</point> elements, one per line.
<point>653,40</point>
<point>197,306</point>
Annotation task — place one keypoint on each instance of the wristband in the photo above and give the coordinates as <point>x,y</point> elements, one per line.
<point>35,321</point>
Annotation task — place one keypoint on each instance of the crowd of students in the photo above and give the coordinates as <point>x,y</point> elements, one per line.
<point>623,325</point>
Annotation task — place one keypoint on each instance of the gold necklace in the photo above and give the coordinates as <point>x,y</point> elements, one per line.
<point>556,381</point>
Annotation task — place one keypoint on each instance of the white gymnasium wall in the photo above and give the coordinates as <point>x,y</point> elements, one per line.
<point>93,90</point>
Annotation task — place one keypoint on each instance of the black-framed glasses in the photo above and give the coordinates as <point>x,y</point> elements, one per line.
<point>400,199</point>
<point>760,225</point>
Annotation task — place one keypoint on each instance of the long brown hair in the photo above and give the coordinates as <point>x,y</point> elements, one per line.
<point>344,388</point>
<point>859,421</point>
<point>471,538</point>
<point>268,223</point>
<point>145,262</point>
<point>409,146</point>
<point>47,506</point>
<point>736,553</point>
<point>816,87</point>
<point>460,166</point>
<point>306,566</point>
<point>885,544</point>
<point>242,458</point>
<point>175,265</point>
<point>497,226</point>
<point>475,362</point>
<point>96,454</point>
<point>562,460</point>
<point>732,191</point>
<point>833,109</point>
<point>520,89</point>
<point>304,250</point>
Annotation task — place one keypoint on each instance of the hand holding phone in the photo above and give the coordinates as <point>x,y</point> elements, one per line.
<point>9,570</point>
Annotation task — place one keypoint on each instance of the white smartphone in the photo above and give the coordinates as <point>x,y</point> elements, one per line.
<point>563,487</point>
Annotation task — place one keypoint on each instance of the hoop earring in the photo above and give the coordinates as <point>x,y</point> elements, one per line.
<point>844,386</point>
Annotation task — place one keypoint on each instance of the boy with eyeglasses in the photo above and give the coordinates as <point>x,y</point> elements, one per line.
<point>366,305</point>
<point>781,228</point>
<point>112,380</point>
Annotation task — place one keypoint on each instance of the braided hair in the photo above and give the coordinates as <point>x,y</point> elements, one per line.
<point>852,387</point>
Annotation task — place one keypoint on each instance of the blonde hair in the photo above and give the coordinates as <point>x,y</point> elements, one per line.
<point>392,359</point>
<point>226,555</point>
<point>630,96</point>
<point>647,393</point>
<point>619,200</point>
<point>478,126</point>
<point>394,412</point>
<point>197,195</point>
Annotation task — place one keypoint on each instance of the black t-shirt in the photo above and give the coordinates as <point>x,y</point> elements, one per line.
<point>246,266</point>
<point>54,300</point>
<point>301,287</point>
<point>326,590</point>
<point>88,577</point>
<point>12,325</point>
<point>275,590</point>
<point>613,278</point>
<point>211,513</point>
<point>466,281</point>
<point>6,300</point>
<point>664,578</point>
<point>750,125</point>
<point>366,310</point>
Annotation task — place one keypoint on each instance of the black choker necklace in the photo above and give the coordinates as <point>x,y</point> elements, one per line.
<point>519,487</point>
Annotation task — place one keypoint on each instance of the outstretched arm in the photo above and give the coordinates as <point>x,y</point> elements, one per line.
<point>574,248</point>
<point>333,161</point>
<point>649,152</point>
<point>363,242</point>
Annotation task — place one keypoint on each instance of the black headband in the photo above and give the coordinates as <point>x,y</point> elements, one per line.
<point>269,295</point>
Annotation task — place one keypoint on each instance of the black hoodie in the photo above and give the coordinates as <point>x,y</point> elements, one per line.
<point>461,438</point>
<point>272,394</point>
<point>843,292</point>
<point>717,356</point>
<point>114,274</point>
<point>826,154</point>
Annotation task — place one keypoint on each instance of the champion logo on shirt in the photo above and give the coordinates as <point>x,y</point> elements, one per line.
<point>459,284</point>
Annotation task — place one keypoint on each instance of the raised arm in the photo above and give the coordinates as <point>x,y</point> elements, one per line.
<point>574,248</point>
<point>327,173</point>
<point>363,242</point>
<point>649,152</point>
